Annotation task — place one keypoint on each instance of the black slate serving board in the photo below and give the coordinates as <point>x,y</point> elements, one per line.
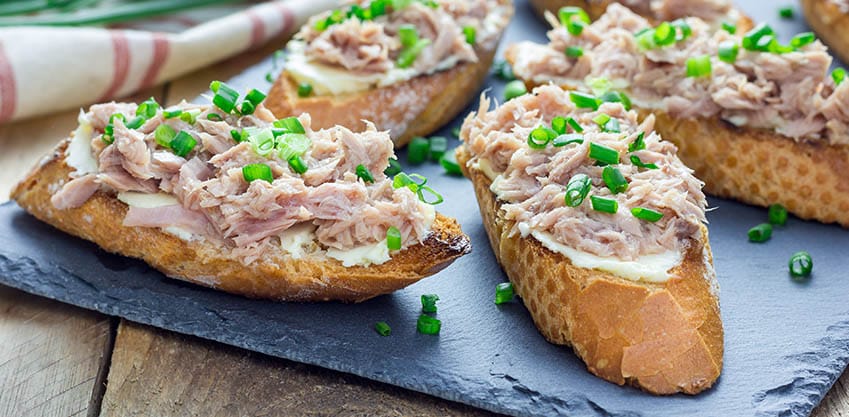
<point>786,341</point>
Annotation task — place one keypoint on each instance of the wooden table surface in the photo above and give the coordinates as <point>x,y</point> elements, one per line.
<point>58,360</point>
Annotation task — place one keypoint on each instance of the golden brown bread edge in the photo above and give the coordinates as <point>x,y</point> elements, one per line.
<point>431,101</point>
<point>830,24</point>
<point>596,8</point>
<point>99,220</point>
<point>664,338</point>
<point>757,166</point>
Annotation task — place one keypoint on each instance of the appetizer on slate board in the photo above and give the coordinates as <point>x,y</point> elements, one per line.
<point>830,20</point>
<point>229,197</point>
<point>409,66</point>
<point>715,11</point>
<point>758,120</point>
<point>600,227</point>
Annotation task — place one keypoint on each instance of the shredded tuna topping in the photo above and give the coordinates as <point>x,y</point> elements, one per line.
<point>215,200</point>
<point>711,10</point>
<point>790,93</point>
<point>363,43</point>
<point>531,183</point>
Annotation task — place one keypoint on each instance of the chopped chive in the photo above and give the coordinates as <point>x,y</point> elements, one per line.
<point>601,119</point>
<point>577,190</point>
<point>648,215</point>
<point>252,172</point>
<point>637,162</point>
<point>838,75</point>
<point>502,70</point>
<point>456,131</point>
<point>247,108</point>
<point>408,35</point>
<point>603,154</point>
<point>604,205</point>
<point>449,164</point>
<point>262,142</point>
<point>574,125</point>
<point>255,97</point>
<point>575,27</point>
<point>135,122</point>
<point>698,66</point>
<point>752,37</point>
<point>408,55</point>
<point>163,135</point>
<point>364,174</point>
<point>584,100</point>
<point>645,39</point>
<point>393,169</point>
<point>574,52</point>
<point>614,180</point>
<point>304,89</point>
<point>540,137</point>
<point>558,124</point>
<point>297,164</point>
<point>638,143</point>
<point>471,34</point>
<point>171,113</point>
<point>290,145</point>
<point>786,12</point>
<point>802,39</point>
<point>215,117</point>
<point>438,147</point>
<point>148,108</point>
<point>418,150</point>
<point>183,143</point>
<point>729,27</point>
<point>382,328</point>
<point>728,51</point>
<point>429,303</point>
<point>777,215</point>
<point>684,29</point>
<point>567,139</point>
<point>616,97</point>
<point>290,125</point>
<point>190,116</point>
<point>437,198</point>
<point>428,325</point>
<point>239,136</point>
<point>514,89</point>
<point>566,15</point>
<point>393,238</point>
<point>801,264</point>
<point>760,233</point>
<point>225,96</point>
<point>664,34</point>
<point>504,293</point>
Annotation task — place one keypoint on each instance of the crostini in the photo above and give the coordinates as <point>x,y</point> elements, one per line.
<point>229,197</point>
<point>716,11</point>
<point>600,227</point>
<point>830,21</point>
<point>759,121</point>
<point>409,66</point>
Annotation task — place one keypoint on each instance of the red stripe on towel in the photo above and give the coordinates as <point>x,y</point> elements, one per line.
<point>257,29</point>
<point>121,64</point>
<point>8,88</point>
<point>161,49</point>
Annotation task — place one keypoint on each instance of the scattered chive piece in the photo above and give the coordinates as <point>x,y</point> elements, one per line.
<point>614,180</point>
<point>838,75</point>
<point>238,136</point>
<point>393,238</point>
<point>163,135</point>
<point>760,233</point>
<point>428,325</point>
<point>183,143</point>
<point>603,154</point>
<point>801,264</point>
<point>297,164</point>
<point>638,143</point>
<point>728,51</point>
<point>382,328</point>
<point>253,172</point>
<point>729,27</point>
<point>502,70</point>
<point>786,12</point>
<point>802,39</point>
<point>418,150</point>
<point>215,117</point>
<point>471,34</point>
<point>304,89</point>
<point>290,125</point>
<point>574,125</point>
<point>574,26</point>
<point>455,131</point>
<point>637,162</point>
<point>247,108</point>
<point>664,34</point>
<point>429,303</point>
<point>684,29</point>
<point>190,116</point>
<point>616,97</point>
<point>135,122</point>
<point>449,163</point>
<point>408,55</point>
<point>225,96</point>
<point>648,215</point>
<point>393,169</point>
<point>604,205</point>
<point>558,124</point>
<point>426,188</point>
<point>612,126</point>
<point>567,139</point>
<point>577,189</point>
<point>777,214</point>
<point>574,52</point>
<point>147,108</point>
<point>364,174</point>
<point>601,119</point>
<point>438,147</point>
<point>408,35</point>
<point>269,77</point>
<point>172,113</point>
<point>255,97</point>
<point>752,37</point>
<point>514,89</point>
<point>540,137</point>
<point>504,293</point>
<point>645,39</point>
<point>290,145</point>
<point>584,100</point>
<point>698,66</point>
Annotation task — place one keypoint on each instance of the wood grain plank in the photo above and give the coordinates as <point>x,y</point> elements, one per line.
<point>836,402</point>
<point>155,372</point>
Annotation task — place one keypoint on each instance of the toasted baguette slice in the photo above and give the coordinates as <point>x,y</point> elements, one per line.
<point>830,24</point>
<point>415,107</point>
<point>596,8</point>
<point>661,337</point>
<point>100,220</point>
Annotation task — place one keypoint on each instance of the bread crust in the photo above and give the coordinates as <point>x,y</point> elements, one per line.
<point>830,24</point>
<point>281,278</point>
<point>661,337</point>
<point>419,106</point>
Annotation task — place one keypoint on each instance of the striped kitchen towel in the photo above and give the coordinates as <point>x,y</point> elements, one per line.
<point>47,69</point>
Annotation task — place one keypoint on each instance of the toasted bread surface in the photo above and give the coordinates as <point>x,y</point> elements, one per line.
<point>416,107</point>
<point>661,337</point>
<point>281,278</point>
<point>830,24</point>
